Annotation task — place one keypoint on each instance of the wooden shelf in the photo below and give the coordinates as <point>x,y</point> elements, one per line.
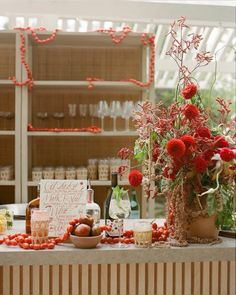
<point>85,84</point>
<point>82,134</point>
<point>7,182</point>
<point>93,183</point>
<point>7,132</point>
<point>6,82</point>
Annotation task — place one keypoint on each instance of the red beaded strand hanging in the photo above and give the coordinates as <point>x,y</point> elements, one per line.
<point>150,41</point>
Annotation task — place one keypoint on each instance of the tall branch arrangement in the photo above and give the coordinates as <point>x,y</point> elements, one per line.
<point>184,154</point>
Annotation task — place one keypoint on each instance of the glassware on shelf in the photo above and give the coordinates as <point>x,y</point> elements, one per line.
<point>39,226</point>
<point>70,172</point>
<point>82,173</point>
<point>119,209</point>
<point>103,169</point>
<point>127,109</point>
<point>48,172</point>
<point>142,234</point>
<point>37,173</point>
<point>103,111</point>
<point>93,112</point>
<point>115,111</point>
<point>59,116</point>
<point>60,172</point>
<point>72,112</point>
<point>7,117</point>
<point>83,109</point>
<point>92,169</point>
<point>42,116</point>
<point>7,173</point>
<point>114,165</point>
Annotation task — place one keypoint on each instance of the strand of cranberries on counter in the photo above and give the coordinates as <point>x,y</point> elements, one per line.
<point>159,233</point>
<point>24,240</point>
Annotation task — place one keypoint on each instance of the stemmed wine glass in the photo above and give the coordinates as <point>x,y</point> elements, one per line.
<point>93,112</point>
<point>103,111</point>
<point>59,116</point>
<point>42,116</point>
<point>72,112</point>
<point>119,209</point>
<point>115,111</point>
<point>128,107</point>
<point>83,112</point>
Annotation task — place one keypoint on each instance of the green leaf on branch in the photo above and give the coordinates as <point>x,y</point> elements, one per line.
<point>211,204</point>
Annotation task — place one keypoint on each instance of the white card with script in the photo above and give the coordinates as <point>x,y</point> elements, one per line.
<point>64,199</point>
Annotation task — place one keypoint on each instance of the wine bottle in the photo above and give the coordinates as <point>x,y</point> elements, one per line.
<point>91,208</point>
<point>135,208</point>
<point>108,220</point>
<point>32,204</point>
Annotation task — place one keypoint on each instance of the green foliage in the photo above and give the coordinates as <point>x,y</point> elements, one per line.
<point>211,204</point>
<point>140,154</point>
<point>118,192</point>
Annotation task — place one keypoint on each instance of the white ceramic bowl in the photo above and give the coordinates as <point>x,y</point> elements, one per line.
<point>85,242</point>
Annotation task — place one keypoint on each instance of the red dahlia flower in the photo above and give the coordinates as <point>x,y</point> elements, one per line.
<point>203,132</point>
<point>191,111</point>
<point>200,164</point>
<point>188,140</point>
<point>189,91</point>
<point>135,178</point>
<point>220,142</point>
<point>208,154</point>
<point>175,148</point>
<point>227,154</point>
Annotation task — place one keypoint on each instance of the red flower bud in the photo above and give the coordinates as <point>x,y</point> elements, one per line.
<point>189,91</point>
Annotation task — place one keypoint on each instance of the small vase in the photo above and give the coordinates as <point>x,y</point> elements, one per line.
<point>203,228</point>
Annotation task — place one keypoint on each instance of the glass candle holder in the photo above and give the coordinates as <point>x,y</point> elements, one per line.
<point>37,173</point>
<point>70,173</point>
<point>48,173</point>
<point>82,173</point>
<point>92,169</point>
<point>142,234</point>
<point>103,169</point>
<point>60,172</point>
<point>39,226</point>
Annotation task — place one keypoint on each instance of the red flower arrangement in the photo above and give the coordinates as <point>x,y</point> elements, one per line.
<point>135,178</point>
<point>189,91</point>
<point>185,155</point>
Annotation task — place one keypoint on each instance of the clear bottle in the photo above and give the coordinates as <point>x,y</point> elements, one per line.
<point>135,207</point>
<point>32,204</point>
<point>115,231</point>
<point>91,208</point>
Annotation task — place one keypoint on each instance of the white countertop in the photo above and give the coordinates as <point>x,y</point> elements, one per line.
<point>104,253</point>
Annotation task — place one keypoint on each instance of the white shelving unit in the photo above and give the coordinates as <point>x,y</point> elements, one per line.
<point>10,191</point>
<point>60,72</point>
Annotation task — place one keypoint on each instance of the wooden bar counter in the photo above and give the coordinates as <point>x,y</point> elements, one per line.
<point>197,269</point>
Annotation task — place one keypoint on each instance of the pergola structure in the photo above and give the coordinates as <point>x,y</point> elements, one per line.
<point>215,20</point>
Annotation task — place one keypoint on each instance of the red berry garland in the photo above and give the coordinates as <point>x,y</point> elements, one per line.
<point>145,40</point>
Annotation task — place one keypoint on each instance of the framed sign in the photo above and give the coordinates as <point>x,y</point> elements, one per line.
<point>64,200</point>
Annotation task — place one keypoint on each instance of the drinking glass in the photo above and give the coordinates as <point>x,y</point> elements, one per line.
<point>59,116</point>
<point>93,112</point>
<point>39,225</point>
<point>83,112</point>
<point>143,234</point>
<point>72,112</point>
<point>42,117</point>
<point>103,111</point>
<point>128,107</point>
<point>115,111</point>
<point>119,210</point>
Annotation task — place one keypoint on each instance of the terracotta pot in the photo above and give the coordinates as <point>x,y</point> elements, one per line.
<point>203,227</point>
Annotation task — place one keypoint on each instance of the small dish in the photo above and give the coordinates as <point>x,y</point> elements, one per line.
<point>85,242</point>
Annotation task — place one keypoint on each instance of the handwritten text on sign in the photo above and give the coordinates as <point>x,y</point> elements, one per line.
<point>64,199</point>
